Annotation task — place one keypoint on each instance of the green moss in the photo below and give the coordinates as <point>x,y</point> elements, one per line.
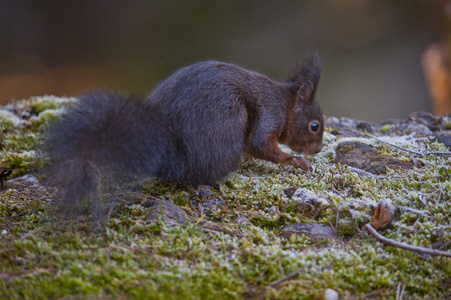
<point>44,118</point>
<point>19,163</point>
<point>8,120</point>
<point>41,104</point>
<point>347,227</point>
<point>387,128</point>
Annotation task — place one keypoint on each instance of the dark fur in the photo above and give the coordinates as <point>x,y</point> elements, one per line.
<point>192,128</point>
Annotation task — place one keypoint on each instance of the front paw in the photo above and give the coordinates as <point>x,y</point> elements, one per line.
<point>299,162</point>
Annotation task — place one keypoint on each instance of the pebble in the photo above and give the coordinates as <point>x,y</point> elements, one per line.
<point>21,182</point>
<point>167,211</point>
<point>330,294</point>
<point>210,206</point>
<point>315,231</point>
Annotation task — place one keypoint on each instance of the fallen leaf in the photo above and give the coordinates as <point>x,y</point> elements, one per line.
<point>384,214</point>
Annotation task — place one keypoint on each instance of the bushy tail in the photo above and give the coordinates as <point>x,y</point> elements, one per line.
<point>105,136</point>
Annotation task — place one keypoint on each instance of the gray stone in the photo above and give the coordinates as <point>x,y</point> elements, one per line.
<point>212,205</point>
<point>166,211</point>
<point>204,191</point>
<point>446,140</point>
<point>315,231</point>
<point>330,294</point>
<point>241,220</point>
<point>366,158</point>
<point>21,182</point>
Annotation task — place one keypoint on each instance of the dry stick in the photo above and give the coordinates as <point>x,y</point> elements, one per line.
<point>404,246</point>
<point>285,278</point>
<point>368,174</point>
<point>422,213</point>
<point>396,146</point>
<point>361,172</point>
<point>410,151</point>
<point>400,291</point>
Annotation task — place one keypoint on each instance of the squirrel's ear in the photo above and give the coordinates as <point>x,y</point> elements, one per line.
<point>306,91</point>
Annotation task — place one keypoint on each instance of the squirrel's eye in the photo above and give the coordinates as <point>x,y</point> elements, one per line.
<point>313,127</point>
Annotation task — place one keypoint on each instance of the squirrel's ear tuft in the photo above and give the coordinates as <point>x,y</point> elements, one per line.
<point>306,91</point>
<point>308,72</point>
<point>311,69</point>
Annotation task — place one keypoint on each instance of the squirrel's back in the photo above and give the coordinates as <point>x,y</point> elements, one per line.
<point>212,107</point>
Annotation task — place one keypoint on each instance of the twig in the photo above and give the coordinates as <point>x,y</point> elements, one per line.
<point>30,233</point>
<point>361,172</point>
<point>421,153</point>
<point>400,291</point>
<point>287,277</point>
<point>396,146</point>
<point>436,153</point>
<point>404,208</point>
<point>368,174</point>
<point>404,246</point>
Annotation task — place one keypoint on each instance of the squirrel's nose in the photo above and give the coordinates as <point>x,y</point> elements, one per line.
<point>317,148</point>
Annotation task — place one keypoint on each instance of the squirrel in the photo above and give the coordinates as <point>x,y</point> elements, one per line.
<point>192,128</point>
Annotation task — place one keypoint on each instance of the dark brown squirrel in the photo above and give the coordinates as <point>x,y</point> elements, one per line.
<point>192,128</point>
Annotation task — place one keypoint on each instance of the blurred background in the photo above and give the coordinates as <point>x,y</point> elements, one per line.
<point>373,51</point>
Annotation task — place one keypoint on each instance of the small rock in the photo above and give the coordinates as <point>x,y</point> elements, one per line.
<point>439,245</point>
<point>212,205</point>
<point>446,123</point>
<point>348,122</point>
<point>274,209</point>
<point>331,121</point>
<point>425,118</point>
<point>204,191</point>
<point>344,127</point>
<point>409,127</point>
<point>348,132</point>
<point>366,158</point>
<point>446,140</point>
<point>167,211</point>
<point>315,231</point>
<point>365,126</point>
<point>330,294</point>
<point>289,192</point>
<point>304,195</point>
<point>421,122</point>
<point>21,182</point>
<point>242,220</point>
<point>307,201</point>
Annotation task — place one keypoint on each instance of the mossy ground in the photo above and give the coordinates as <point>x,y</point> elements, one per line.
<point>43,256</point>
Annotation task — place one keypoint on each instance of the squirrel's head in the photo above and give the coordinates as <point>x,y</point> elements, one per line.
<point>305,122</point>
